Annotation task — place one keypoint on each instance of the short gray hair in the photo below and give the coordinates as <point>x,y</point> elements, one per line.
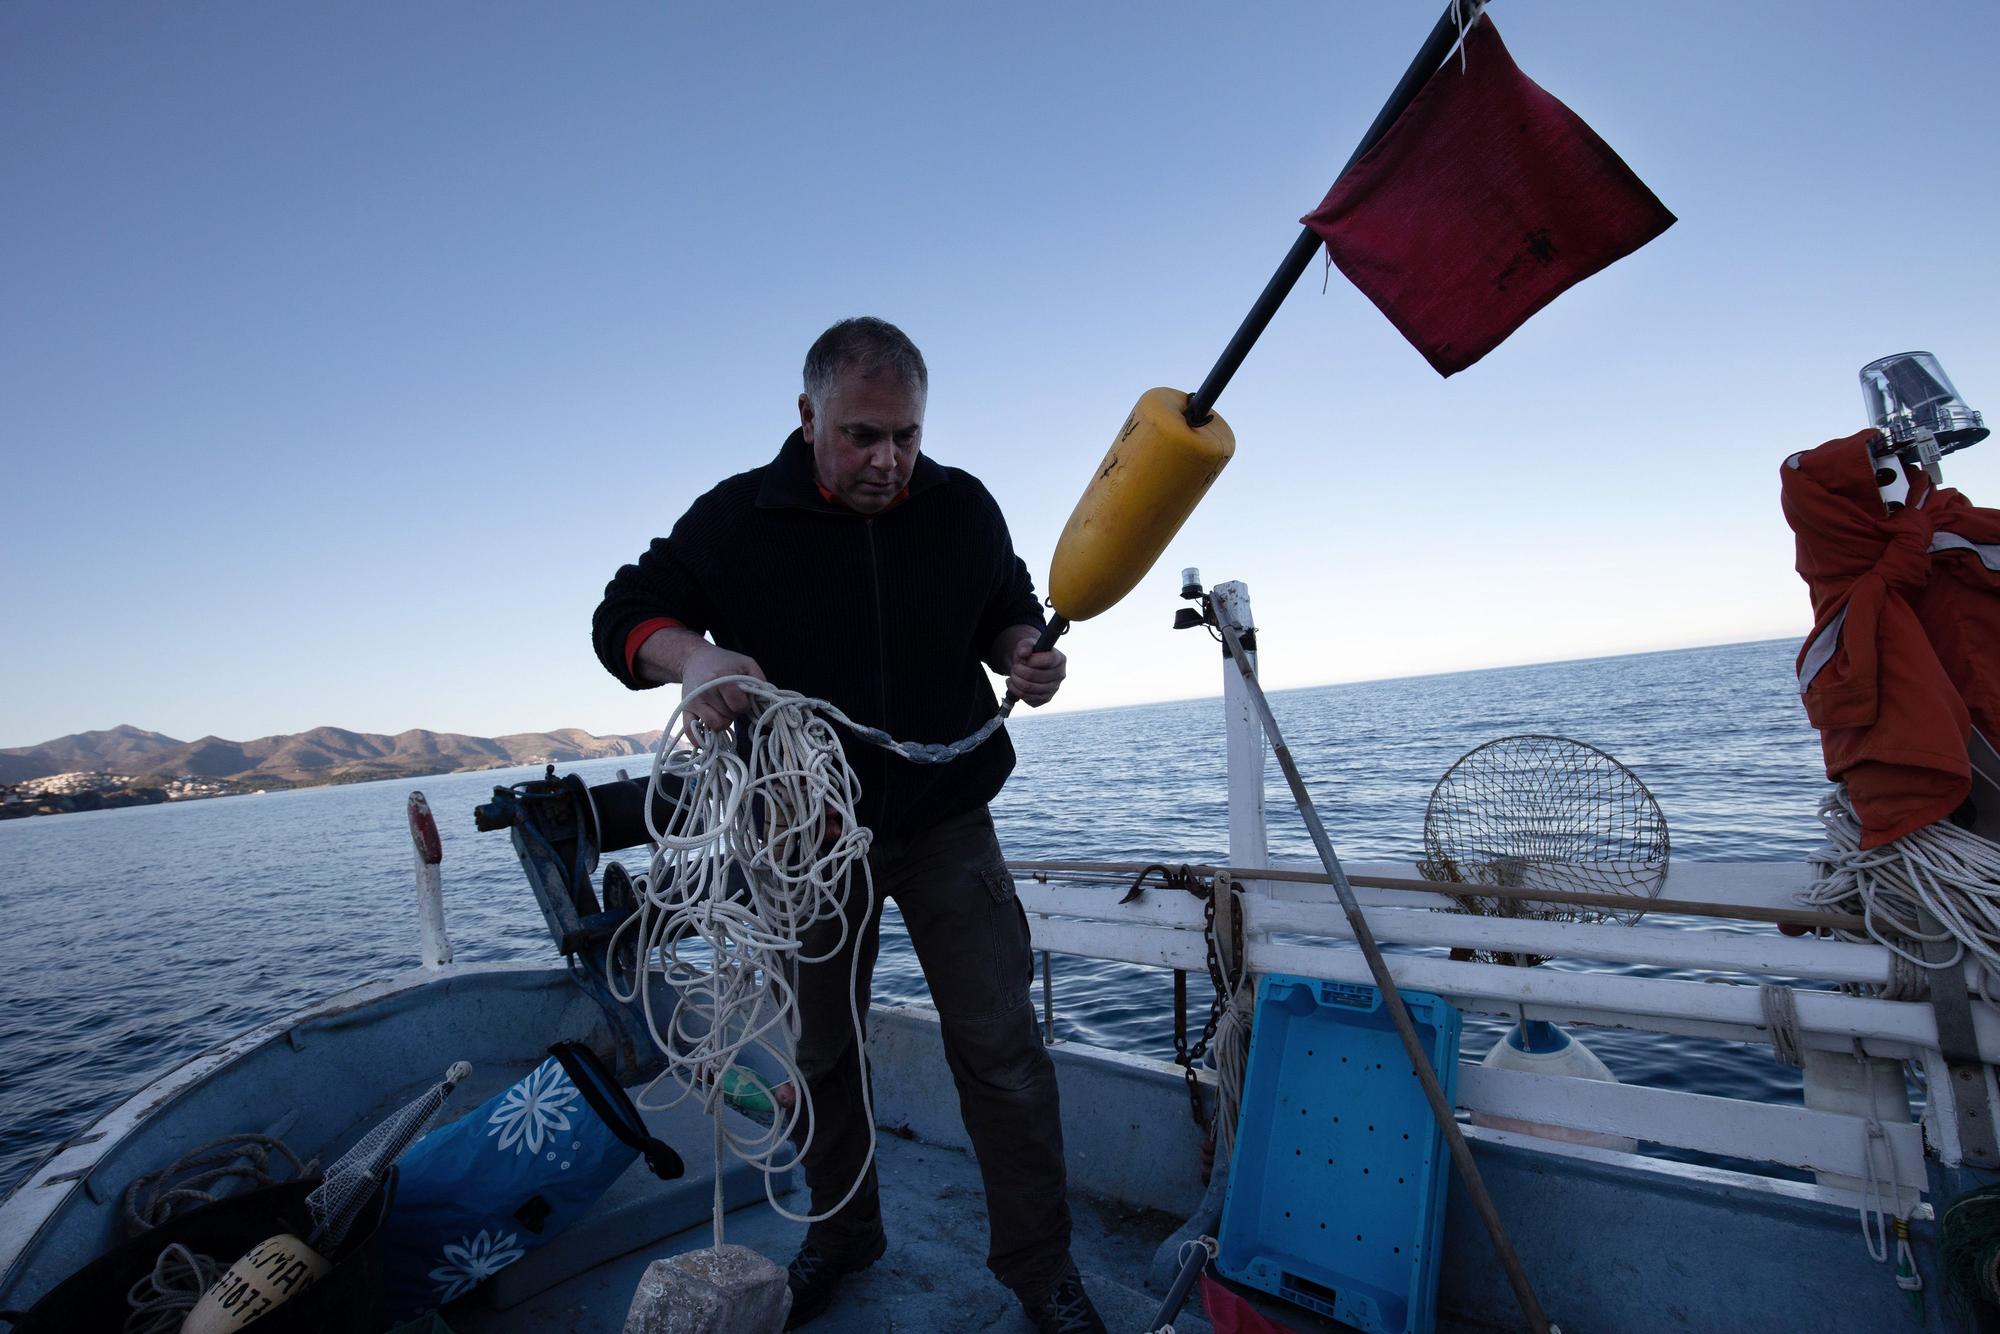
<point>865,344</point>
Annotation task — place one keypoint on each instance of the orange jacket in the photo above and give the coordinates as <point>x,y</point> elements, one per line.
<point>1960,606</point>
<point>1891,721</point>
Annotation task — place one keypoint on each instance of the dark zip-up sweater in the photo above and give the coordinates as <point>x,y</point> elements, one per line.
<point>888,616</point>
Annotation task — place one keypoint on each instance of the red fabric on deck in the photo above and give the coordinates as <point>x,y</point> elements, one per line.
<point>1230,1314</point>
<point>1485,201</point>
<point>1891,723</point>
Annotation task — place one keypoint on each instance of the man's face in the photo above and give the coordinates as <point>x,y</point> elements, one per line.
<point>865,438</point>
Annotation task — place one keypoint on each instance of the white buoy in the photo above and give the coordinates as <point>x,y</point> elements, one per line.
<point>1540,1048</point>
<point>270,1275</point>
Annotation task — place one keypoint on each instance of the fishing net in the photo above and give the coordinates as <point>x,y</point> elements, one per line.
<point>1547,813</point>
<point>353,1180</point>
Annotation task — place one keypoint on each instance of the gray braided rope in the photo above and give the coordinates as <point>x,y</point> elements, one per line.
<point>1781,1019</point>
<point>161,1299</point>
<point>183,1184</point>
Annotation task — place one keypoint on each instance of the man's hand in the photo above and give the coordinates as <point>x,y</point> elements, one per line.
<point>678,654</point>
<point>721,706</point>
<point>1033,677</point>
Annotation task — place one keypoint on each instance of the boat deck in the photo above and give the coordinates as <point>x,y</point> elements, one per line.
<point>1614,1240</point>
<point>933,1278</point>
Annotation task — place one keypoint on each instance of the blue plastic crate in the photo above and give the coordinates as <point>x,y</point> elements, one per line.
<point>1337,1187</point>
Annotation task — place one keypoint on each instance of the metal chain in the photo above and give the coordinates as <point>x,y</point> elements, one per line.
<point>765,696</point>
<point>924,752</point>
<point>1186,1055</point>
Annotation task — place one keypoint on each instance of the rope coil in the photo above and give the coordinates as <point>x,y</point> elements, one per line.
<point>162,1298</point>
<point>760,846</point>
<point>756,849</point>
<point>1952,873</point>
<point>155,1197</point>
<point>1232,1031</point>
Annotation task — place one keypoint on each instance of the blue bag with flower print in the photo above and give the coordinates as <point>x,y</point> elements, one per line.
<point>474,1196</point>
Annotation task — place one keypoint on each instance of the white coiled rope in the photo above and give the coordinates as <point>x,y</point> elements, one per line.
<point>1951,872</point>
<point>1232,1054</point>
<point>756,849</point>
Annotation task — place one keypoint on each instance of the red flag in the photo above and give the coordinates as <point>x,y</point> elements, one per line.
<point>1230,1314</point>
<point>1485,201</point>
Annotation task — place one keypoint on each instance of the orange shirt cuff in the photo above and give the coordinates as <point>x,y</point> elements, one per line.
<point>642,632</point>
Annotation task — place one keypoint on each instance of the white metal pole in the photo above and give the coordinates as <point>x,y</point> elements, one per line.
<point>1245,739</point>
<point>1441,1109</point>
<point>435,946</point>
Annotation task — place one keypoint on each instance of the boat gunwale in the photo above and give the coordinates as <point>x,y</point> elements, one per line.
<point>32,1207</point>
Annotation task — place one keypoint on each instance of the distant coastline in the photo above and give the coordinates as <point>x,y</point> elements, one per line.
<point>129,766</point>
<point>65,794</point>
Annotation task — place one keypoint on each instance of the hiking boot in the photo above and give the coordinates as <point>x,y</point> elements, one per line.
<point>1065,1310</point>
<point>813,1275</point>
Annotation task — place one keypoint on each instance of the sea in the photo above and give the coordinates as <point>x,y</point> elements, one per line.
<point>134,939</point>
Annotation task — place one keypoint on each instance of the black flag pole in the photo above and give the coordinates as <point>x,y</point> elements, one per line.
<point>1201,403</point>
<point>1436,47</point>
<point>1444,34</point>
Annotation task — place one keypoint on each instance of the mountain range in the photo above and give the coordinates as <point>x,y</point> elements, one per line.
<point>322,755</point>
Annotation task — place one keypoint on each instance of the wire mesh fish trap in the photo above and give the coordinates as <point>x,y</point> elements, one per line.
<point>1546,813</point>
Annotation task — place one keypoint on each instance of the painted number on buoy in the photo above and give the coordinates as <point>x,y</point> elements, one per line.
<point>277,1270</point>
<point>235,1296</point>
<point>282,1268</point>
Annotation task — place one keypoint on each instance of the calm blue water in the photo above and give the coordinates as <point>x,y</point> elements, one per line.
<point>137,938</point>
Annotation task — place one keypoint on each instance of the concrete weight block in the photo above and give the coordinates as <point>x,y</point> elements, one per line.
<point>720,1290</point>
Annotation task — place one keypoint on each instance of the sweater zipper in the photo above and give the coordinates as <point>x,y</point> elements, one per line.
<point>881,655</point>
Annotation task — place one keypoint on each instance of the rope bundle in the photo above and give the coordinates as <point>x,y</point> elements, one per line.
<point>1232,1043</point>
<point>155,1197</point>
<point>1232,1053</point>
<point>1952,873</point>
<point>757,849</point>
<point>161,1300</point>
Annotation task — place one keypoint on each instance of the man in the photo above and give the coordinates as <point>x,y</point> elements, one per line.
<point>854,569</point>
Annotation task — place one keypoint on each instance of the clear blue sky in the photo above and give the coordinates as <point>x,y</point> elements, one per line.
<point>345,350</point>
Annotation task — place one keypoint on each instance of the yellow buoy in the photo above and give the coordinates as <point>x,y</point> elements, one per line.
<point>1156,472</point>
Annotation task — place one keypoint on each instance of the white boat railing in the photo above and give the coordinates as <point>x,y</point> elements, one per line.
<point>1295,927</point>
<point>1762,953</point>
<point>1164,930</point>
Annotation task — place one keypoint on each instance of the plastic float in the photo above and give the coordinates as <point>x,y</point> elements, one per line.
<point>1541,1048</point>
